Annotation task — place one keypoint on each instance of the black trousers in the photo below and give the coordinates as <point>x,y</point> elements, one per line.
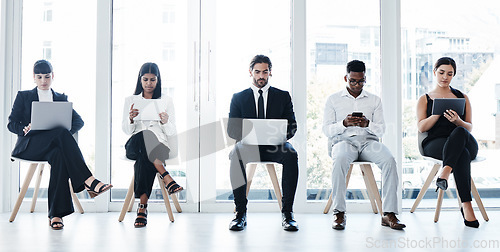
<point>284,154</point>
<point>60,149</point>
<point>144,169</point>
<point>456,151</point>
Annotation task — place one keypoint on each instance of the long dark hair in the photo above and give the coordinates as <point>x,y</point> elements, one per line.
<point>151,68</point>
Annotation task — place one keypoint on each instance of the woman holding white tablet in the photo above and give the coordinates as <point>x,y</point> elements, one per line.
<point>449,137</point>
<point>149,143</point>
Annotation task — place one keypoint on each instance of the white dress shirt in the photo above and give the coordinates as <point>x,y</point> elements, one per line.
<point>44,95</point>
<point>340,104</point>
<point>265,92</point>
<point>162,131</point>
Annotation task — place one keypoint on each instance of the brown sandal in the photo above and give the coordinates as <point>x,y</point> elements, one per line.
<point>91,189</point>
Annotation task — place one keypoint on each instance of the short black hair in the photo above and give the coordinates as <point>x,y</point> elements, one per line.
<point>261,59</point>
<point>446,61</point>
<point>42,67</point>
<point>356,66</point>
<point>151,68</point>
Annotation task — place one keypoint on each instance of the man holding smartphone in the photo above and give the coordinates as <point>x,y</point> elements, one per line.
<point>354,122</point>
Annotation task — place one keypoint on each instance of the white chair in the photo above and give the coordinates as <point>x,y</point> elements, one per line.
<point>271,169</point>
<point>371,186</point>
<point>129,200</point>
<point>437,164</point>
<point>27,180</point>
<point>26,183</point>
<point>368,177</point>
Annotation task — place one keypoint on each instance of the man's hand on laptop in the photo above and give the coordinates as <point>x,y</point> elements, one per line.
<point>27,129</point>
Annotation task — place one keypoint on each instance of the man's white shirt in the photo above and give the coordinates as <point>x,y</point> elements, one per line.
<point>340,104</point>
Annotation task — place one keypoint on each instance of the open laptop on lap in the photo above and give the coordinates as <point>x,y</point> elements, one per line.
<point>264,131</point>
<point>49,115</point>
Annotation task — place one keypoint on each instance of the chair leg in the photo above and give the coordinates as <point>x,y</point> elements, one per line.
<point>22,193</point>
<point>274,179</point>
<point>128,199</point>
<point>176,203</point>
<point>250,173</point>
<point>37,187</point>
<point>328,204</point>
<point>348,176</point>
<point>479,202</point>
<point>330,199</point>
<point>370,194</point>
<point>438,206</point>
<point>75,199</point>
<point>131,204</point>
<point>370,182</point>
<point>458,197</point>
<point>165,198</point>
<point>425,187</point>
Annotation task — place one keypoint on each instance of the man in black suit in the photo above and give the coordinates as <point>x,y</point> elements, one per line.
<point>263,102</point>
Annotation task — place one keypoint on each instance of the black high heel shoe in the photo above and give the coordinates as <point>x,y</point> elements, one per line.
<point>473,224</point>
<point>441,184</point>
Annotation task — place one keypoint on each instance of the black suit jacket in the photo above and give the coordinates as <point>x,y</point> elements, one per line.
<point>279,106</point>
<point>20,117</point>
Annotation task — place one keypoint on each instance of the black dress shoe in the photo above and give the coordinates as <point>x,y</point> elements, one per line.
<point>441,184</point>
<point>239,222</point>
<point>473,224</point>
<point>288,223</point>
<point>339,221</point>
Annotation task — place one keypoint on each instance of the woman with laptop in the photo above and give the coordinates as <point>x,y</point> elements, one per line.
<point>449,138</point>
<point>55,145</point>
<point>150,118</point>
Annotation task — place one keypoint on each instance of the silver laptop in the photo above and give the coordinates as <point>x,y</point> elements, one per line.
<point>149,109</point>
<point>49,115</point>
<point>264,131</point>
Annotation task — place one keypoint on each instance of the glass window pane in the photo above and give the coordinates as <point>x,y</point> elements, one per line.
<point>470,34</point>
<point>52,30</point>
<point>240,35</point>
<point>337,32</point>
<point>147,31</point>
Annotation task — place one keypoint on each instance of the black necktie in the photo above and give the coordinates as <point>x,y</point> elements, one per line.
<point>260,112</point>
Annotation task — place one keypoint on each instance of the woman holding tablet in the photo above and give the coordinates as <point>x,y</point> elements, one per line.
<point>449,137</point>
<point>57,146</point>
<point>149,143</point>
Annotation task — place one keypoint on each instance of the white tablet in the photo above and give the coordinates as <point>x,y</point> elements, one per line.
<point>149,109</point>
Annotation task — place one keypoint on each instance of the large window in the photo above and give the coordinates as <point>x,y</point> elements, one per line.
<point>67,40</point>
<point>337,32</point>
<point>469,32</point>
<point>203,49</point>
<point>262,27</point>
<point>147,31</point>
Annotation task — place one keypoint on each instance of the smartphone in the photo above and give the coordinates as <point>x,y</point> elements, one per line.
<point>357,114</point>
